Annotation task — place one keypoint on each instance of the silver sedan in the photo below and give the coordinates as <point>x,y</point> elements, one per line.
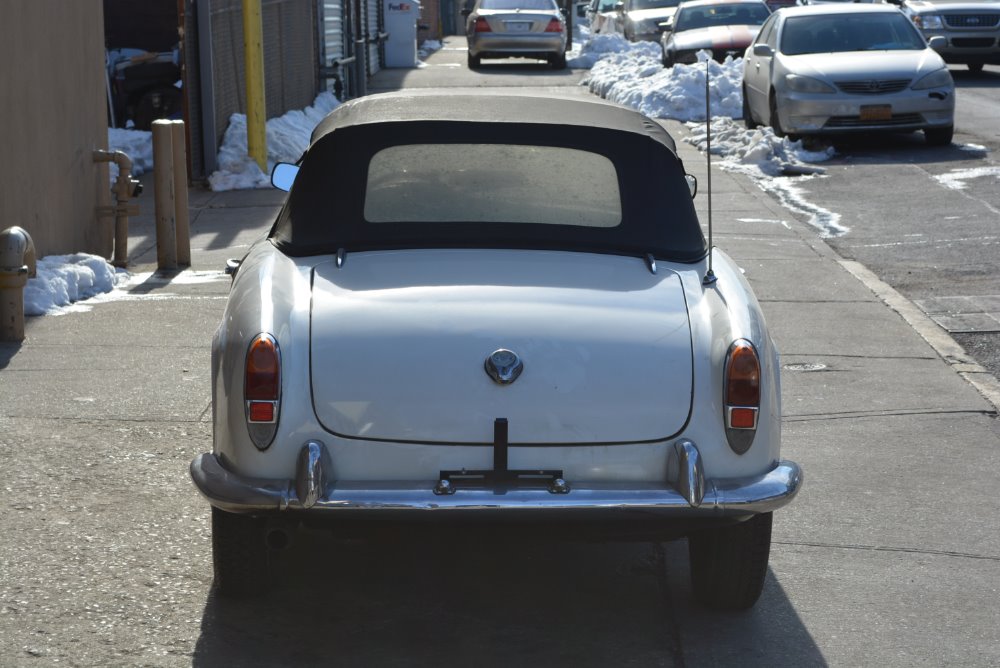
<point>516,28</point>
<point>825,69</point>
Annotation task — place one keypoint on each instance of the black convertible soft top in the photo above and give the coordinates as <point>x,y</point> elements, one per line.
<point>325,209</point>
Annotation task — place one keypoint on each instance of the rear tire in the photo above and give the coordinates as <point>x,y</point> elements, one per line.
<point>239,554</point>
<point>474,62</point>
<point>748,120</point>
<point>558,62</point>
<point>939,136</point>
<point>728,565</point>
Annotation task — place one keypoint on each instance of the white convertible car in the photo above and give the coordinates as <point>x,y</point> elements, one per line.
<point>481,308</point>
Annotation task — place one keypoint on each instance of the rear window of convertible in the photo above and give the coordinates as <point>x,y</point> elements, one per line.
<point>492,183</point>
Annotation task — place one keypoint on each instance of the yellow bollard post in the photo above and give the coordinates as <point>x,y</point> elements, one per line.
<point>179,146</point>
<point>253,49</point>
<point>163,177</point>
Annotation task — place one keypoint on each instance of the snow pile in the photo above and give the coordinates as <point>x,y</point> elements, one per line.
<point>64,279</point>
<point>636,78</point>
<point>760,148</point>
<point>287,139</point>
<point>137,145</point>
<point>596,47</point>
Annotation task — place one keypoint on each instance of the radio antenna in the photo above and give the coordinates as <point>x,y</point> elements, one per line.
<point>709,275</point>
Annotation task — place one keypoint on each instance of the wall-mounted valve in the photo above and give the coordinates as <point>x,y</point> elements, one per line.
<point>17,265</point>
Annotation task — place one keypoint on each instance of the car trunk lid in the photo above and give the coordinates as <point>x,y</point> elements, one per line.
<point>400,338</point>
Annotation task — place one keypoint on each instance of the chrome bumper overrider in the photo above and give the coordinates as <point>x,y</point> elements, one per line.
<point>690,493</point>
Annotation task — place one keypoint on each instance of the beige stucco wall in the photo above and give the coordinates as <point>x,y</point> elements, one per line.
<point>53,114</point>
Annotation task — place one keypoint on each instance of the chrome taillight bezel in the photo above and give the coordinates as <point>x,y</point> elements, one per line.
<point>740,438</point>
<point>262,432</point>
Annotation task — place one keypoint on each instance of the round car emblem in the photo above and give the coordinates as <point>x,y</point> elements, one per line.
<point>873,85</point>
<point>504,366</point>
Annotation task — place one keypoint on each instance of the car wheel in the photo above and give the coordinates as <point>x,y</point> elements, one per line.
<point>474,62</point>
<point>976,67</point>
<point>558,62</point>
<point>773,119</point>
<point>728,565</point>
<point>239,554</point>
<point>747,114</point>
<point>939,136</point>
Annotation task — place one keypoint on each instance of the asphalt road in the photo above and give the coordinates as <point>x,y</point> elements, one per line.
<point>936,244</point>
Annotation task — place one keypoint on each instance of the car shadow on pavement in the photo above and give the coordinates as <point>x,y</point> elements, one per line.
<point>894,149</point>
<point>488,600</point>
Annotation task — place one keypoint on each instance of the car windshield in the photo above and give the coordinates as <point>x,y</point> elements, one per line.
<point>518,4</point>
<point>692,18</point>
<point>836,33</point>
<point>484,183</point>
<point>652,4</point>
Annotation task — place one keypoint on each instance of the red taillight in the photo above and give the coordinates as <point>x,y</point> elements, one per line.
<point>743,376</point>
<point>554,26</point>
<point>482,25</point>
<point>263,372</point>
<point>741,395</point>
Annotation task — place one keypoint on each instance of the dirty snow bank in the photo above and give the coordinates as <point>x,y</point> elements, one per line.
<point>64,279</point>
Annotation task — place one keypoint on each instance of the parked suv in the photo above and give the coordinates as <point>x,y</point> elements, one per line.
<point>972,29</point>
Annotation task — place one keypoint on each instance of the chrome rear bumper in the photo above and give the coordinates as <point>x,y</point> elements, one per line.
<point>689,495</point>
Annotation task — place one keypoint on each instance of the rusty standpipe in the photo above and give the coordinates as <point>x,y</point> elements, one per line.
<point>17,265</point>
<point>124,189</point>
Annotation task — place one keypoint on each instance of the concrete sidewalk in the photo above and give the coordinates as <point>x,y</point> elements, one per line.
<point>890,556</point>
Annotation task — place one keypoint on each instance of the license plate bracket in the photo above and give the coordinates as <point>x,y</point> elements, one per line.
<point>501,478</point>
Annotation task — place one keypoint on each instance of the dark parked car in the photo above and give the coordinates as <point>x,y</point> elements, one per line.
<point>721,27</point>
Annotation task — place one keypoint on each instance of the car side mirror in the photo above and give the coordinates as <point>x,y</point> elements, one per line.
<point>763,50</point>
<point>937,42</point>
<point>283,175</point>
<point>692,184</point>
<point>620,7</point>
<point>666,26</point>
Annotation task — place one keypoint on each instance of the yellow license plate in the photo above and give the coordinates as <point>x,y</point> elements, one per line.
<point>876,112</point>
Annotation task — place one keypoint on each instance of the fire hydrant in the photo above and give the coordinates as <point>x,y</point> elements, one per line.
<point>17,265</point>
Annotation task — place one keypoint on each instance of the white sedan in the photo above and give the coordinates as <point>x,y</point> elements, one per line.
<point>840,68</point>
<point>487,308</point>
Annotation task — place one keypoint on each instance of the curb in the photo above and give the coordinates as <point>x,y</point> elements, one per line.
<point>942,343</point>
